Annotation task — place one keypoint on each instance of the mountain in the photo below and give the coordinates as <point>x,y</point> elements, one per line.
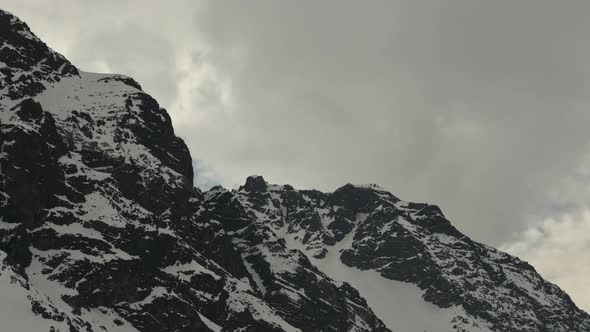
<point>101,229</point>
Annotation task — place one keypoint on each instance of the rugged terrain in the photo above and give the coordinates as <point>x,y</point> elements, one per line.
<point>101,229</point>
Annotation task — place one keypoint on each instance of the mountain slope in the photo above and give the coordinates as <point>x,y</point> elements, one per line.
<point>406,250</point>
<point>102,230</point>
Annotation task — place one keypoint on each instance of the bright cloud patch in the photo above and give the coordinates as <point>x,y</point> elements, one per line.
<point>559,249</point>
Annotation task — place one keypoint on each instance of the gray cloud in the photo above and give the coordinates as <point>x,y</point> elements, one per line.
<point>478,106</point>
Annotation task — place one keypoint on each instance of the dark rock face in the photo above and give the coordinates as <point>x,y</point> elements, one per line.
<point>102,230</point>
<point>33,170</point>
<point>255,183</point>
<point>357,199</point>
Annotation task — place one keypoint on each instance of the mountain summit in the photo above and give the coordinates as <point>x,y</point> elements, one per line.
<point>101,229</point>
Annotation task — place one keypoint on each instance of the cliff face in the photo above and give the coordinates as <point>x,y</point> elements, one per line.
<point>102,230</point>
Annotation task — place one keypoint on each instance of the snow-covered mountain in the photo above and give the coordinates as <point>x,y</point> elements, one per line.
<point>101,229</point>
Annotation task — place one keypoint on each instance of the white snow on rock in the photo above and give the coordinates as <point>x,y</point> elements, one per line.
<point>16,313</point>
<point>398,304</point>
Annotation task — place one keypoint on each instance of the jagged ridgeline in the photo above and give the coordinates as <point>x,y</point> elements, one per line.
<point>101,229</point>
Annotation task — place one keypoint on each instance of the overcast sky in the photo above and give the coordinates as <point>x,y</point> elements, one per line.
<point>481,107</point>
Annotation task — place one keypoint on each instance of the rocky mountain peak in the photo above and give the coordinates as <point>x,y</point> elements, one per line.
<point>255,183</point>
<point>360,198</point>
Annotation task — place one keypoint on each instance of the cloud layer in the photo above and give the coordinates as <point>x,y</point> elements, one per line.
<point>478,106</point>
